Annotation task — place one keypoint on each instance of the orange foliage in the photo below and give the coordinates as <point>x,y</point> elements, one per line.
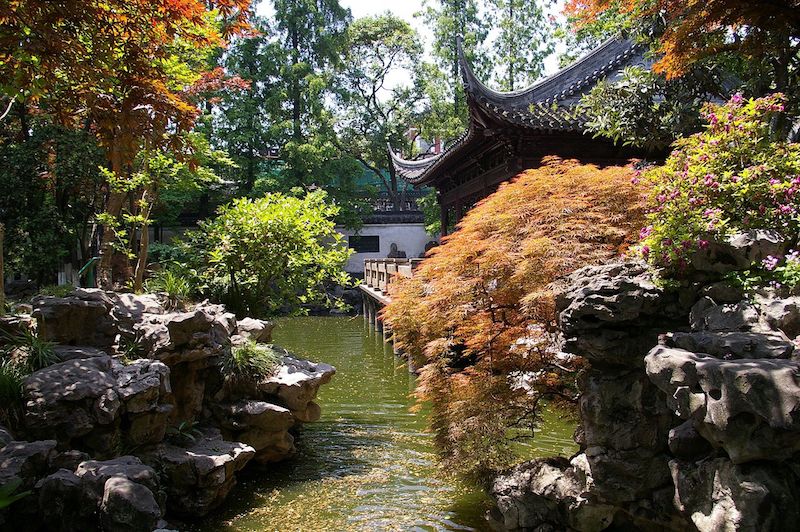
<point>697,28</point>
<point>481,306</point>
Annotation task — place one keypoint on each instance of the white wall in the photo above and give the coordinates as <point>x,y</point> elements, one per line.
<point>410,238</point>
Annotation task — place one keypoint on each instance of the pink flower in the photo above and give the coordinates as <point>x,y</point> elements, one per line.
<point>645,251</point>
<point>737,99</point>
<point>735,178</point>
<point>635,180</point>
<point>702,244</point>
<point>645,232</point>
<point>774,181</point>
<point>770,263</point>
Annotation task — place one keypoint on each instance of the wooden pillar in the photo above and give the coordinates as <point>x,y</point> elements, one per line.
<point>459,211</point>
<point>445,220</point>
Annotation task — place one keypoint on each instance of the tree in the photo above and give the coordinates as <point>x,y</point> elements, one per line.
<point>478,314</point>
<point>762,31</point>
<point>272,253</point>
<point>375,113</point>
<point>312,33</point>
<point>120,67</point>
<point>449,20</point>
<point>523,42</point>
<point>248,121</point>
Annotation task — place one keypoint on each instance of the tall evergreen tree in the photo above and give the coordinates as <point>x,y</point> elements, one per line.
<point>525,39</point>
<point>449,20</point>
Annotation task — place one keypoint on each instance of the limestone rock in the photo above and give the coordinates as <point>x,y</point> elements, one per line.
<point>717,495</point>
<point>262,425</point>
<point>739,251</point>
<point>83,318</point>
<point>546,494</point>
<point>735,344</point>
<point>67,504</point>
<point>114,495</point>
<point>198,478</point>
<point>5,437</point>
<point>296,384</point>
<point>180,337</point>
<point>65,353</point>
<point>686,442</point>
<point>256,330</point>
<point>68,400</point>
<point>708,316</point>
<point>26,461</point>
<point>613,314</point>
<point>84,402</point>
<point>14,325</point>
<point>128,506</point>
<point>781,313</point>
<point>750,407</point>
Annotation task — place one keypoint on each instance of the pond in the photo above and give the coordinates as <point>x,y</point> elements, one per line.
<point>368,464</point>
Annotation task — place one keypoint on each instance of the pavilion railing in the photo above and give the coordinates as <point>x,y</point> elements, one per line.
<point>378,273</point>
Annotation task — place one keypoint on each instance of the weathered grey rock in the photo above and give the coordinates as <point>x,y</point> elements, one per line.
<point>72,352</point>
<point>546,494</point>
<point>296,384</point>
<point>717,495</point>
<point>69,460</point>
<point>14,325</point>
<point>83,318</point>
<point>736,344</point>
<point>781,313</point>
<point>708,316</point>
<point>114,495</point>
<point>26,461</point>
<point>623,410</point>
<point>750,408</point>
<point>686,442</point>
<point>67,504</point>
<point>739,251</point>
<point>256,330</point>
<point>84,402</point>
<point>130,309</point>
<point>723,292</point>
<point>181,337</point>
<point>95,473</point>
<point>613,314</point>
<point>5,436</point>
<point>623,476</point>
<point>262,425</point>
<point>68,400</point>
<point>198,478</point>
<point>128,506</point>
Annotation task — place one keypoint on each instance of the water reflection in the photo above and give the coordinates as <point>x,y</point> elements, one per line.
<point>368,464</point>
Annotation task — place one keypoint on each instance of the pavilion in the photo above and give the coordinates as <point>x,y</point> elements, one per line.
<point>510,132</point>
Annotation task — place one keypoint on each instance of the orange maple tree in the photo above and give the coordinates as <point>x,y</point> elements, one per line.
<point>478,315</point>
<point>763,30</point>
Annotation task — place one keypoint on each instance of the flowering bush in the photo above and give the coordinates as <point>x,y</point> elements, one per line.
<point>732,176</point>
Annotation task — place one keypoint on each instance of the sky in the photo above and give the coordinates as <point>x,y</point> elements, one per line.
<point>404,9</point>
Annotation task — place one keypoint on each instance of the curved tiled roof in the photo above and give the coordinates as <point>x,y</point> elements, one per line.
<point>547,106</point>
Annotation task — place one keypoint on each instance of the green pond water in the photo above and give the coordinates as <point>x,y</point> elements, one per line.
<point>368,464</point>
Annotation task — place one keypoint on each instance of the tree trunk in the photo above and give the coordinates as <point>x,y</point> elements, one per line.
<point>113,209</point>
<point>2,272</point>
<point>296,129</point>
<point>144,243</point>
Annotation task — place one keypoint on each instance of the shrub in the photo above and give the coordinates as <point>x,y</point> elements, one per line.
<point>173,281</point>
<point>252,361</point>
<point>733,176</point>
<point>30,352</point>
<point>479,312</point>
<point>271,254</point>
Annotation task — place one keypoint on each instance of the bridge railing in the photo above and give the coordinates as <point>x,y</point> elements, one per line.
<point>378,273</point>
